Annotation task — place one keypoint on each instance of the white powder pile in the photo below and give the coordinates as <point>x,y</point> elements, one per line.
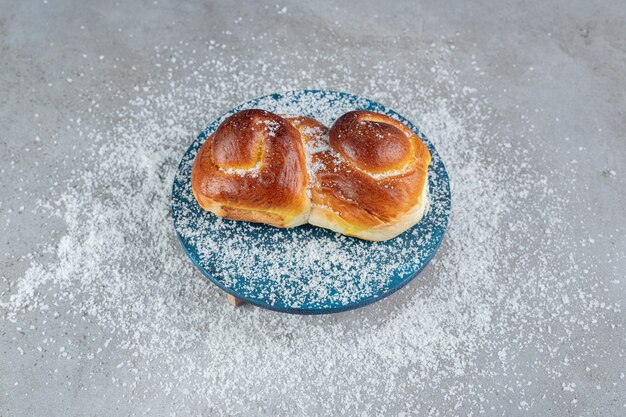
<point>484,302</point>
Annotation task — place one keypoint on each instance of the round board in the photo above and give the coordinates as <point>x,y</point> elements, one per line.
<point>306,270</point>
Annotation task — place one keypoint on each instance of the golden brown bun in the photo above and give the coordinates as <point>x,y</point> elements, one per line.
<point>368,173</point>
<point>253,168</point>
<point>372,181</point>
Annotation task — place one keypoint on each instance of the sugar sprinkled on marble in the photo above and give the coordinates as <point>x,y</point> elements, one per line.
<point>119,266</point>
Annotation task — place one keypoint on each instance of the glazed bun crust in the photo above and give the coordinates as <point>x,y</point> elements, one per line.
<point>372,181</point>
<point>253,168</point>
<point>366,177</point>
<point>370,142</point>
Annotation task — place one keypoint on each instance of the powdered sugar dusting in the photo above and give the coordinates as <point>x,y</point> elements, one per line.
<point>307,268</point>
<point>484,305</point>
<point>317,142</point>
<point>272,126</point>
<point>251,172</point>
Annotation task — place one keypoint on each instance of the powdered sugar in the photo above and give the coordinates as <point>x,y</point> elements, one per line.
<point>492,296</point>
<point>305,269</point>
<point>251,172</point>
<point>272,126</point>
<point>317,142</point>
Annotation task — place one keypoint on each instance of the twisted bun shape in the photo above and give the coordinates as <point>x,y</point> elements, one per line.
<point>372,182</point>
<point>253,168</point>
<point>367,177</point>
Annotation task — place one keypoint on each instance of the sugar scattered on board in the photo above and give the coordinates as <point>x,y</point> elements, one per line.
<point>485,299</point>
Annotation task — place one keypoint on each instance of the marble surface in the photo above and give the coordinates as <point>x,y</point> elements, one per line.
<point>561,64</point>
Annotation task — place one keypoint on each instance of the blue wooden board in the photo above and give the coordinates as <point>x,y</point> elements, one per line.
<point>306,270</point>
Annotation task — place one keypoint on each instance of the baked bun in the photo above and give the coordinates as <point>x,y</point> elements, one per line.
<point>366,177</point>
<point>253,168</point>
<point>371,181</point>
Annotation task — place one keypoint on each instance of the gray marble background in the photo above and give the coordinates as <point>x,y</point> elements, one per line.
<point>577,50</point>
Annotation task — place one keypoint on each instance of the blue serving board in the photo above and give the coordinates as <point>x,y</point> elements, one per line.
<point>306,270</point>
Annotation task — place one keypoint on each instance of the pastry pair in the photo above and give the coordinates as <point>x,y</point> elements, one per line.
<point>366,177</point>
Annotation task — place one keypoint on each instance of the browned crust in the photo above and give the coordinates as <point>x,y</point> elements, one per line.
<point>369,141</point>
<point>345,184</point>
<point>252,168</point>
<point>370,169</point>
